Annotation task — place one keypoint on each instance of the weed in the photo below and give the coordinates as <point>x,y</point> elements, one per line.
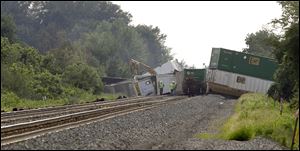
<point>259,115</point>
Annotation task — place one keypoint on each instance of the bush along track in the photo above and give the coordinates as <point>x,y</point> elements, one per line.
<point>258,115</point>
<point>11,102</point>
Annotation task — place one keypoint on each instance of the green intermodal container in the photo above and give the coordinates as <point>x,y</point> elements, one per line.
<point>196,74</point>
<point>243,63</point>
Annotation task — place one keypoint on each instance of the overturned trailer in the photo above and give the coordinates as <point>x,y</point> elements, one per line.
<point>126,88</point>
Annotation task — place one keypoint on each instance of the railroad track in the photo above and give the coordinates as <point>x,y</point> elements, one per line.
<point>30,115</point>
<point>40,110</point>
<point>22,131</point>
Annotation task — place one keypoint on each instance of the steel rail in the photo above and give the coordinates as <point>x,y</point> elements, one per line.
<point>45,111</point>
<point>20,131</point>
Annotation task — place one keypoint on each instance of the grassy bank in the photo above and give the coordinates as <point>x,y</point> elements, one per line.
<point>258,115</point>
<point>9,101</point>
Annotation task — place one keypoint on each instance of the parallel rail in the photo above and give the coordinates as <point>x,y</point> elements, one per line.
<point>43,110</point>
<point>25,116</point>
<point>21,131</point>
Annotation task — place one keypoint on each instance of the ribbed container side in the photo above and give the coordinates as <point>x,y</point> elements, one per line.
<point>239,81</point>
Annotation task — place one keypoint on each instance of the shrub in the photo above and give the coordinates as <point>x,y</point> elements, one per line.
<point>256,115</point>
<point>241,134</point>
<point>84,77</point>
<point>9,100</point>
<point>47,84</point>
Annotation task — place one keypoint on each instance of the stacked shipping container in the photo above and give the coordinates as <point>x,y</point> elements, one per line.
<point>236,73</point>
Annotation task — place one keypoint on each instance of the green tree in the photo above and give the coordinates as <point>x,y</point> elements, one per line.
<point>84,77</point>
<point>22,72</point>
<point>25,21</point>
<point>9,52</point>
<point>47,25</point>
<point>117,68</point>
<point>112,44</point>
<point>8,28</point>
<point>155,45</point>
<point>16,78</point>
<point>290,14</point>
<point>47,84</point>
<point>62,57</point>
<point>260,43</point>
<point>287,54</point>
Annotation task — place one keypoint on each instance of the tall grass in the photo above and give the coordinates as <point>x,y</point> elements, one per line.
<point>258,115</point>
<point>9,100</point>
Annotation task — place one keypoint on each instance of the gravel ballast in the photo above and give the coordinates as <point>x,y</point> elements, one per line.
<point>169,126</point>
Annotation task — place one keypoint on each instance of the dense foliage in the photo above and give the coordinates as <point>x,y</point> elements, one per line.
<point>285,48</point>
<point>258,115</point>
<point>8,27</point>
<point>97,31</point>
<point>260,43</point>
<point>287,54</point>
<point>56,49</point>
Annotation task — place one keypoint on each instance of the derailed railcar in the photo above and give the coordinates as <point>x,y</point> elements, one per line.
<point>234,73</point>
<point>194,81</point>
<point>126,88</point>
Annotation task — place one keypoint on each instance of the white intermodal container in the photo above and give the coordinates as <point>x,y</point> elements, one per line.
<point>235,84</point>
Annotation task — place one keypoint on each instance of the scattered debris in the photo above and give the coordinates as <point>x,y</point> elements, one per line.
<point>121,97</point>
<point>16,109</point>
<point>98,100</point>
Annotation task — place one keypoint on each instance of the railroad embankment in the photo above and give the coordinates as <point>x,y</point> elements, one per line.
<point>256,115</point>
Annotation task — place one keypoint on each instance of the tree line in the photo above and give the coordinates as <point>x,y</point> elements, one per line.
<point>56,48</point>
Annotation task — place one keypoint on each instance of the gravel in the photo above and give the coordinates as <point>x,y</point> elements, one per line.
<point>258,143</point>
<point>169,126</point>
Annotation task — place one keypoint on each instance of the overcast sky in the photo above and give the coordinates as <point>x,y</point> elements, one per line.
<point>193,28</point>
